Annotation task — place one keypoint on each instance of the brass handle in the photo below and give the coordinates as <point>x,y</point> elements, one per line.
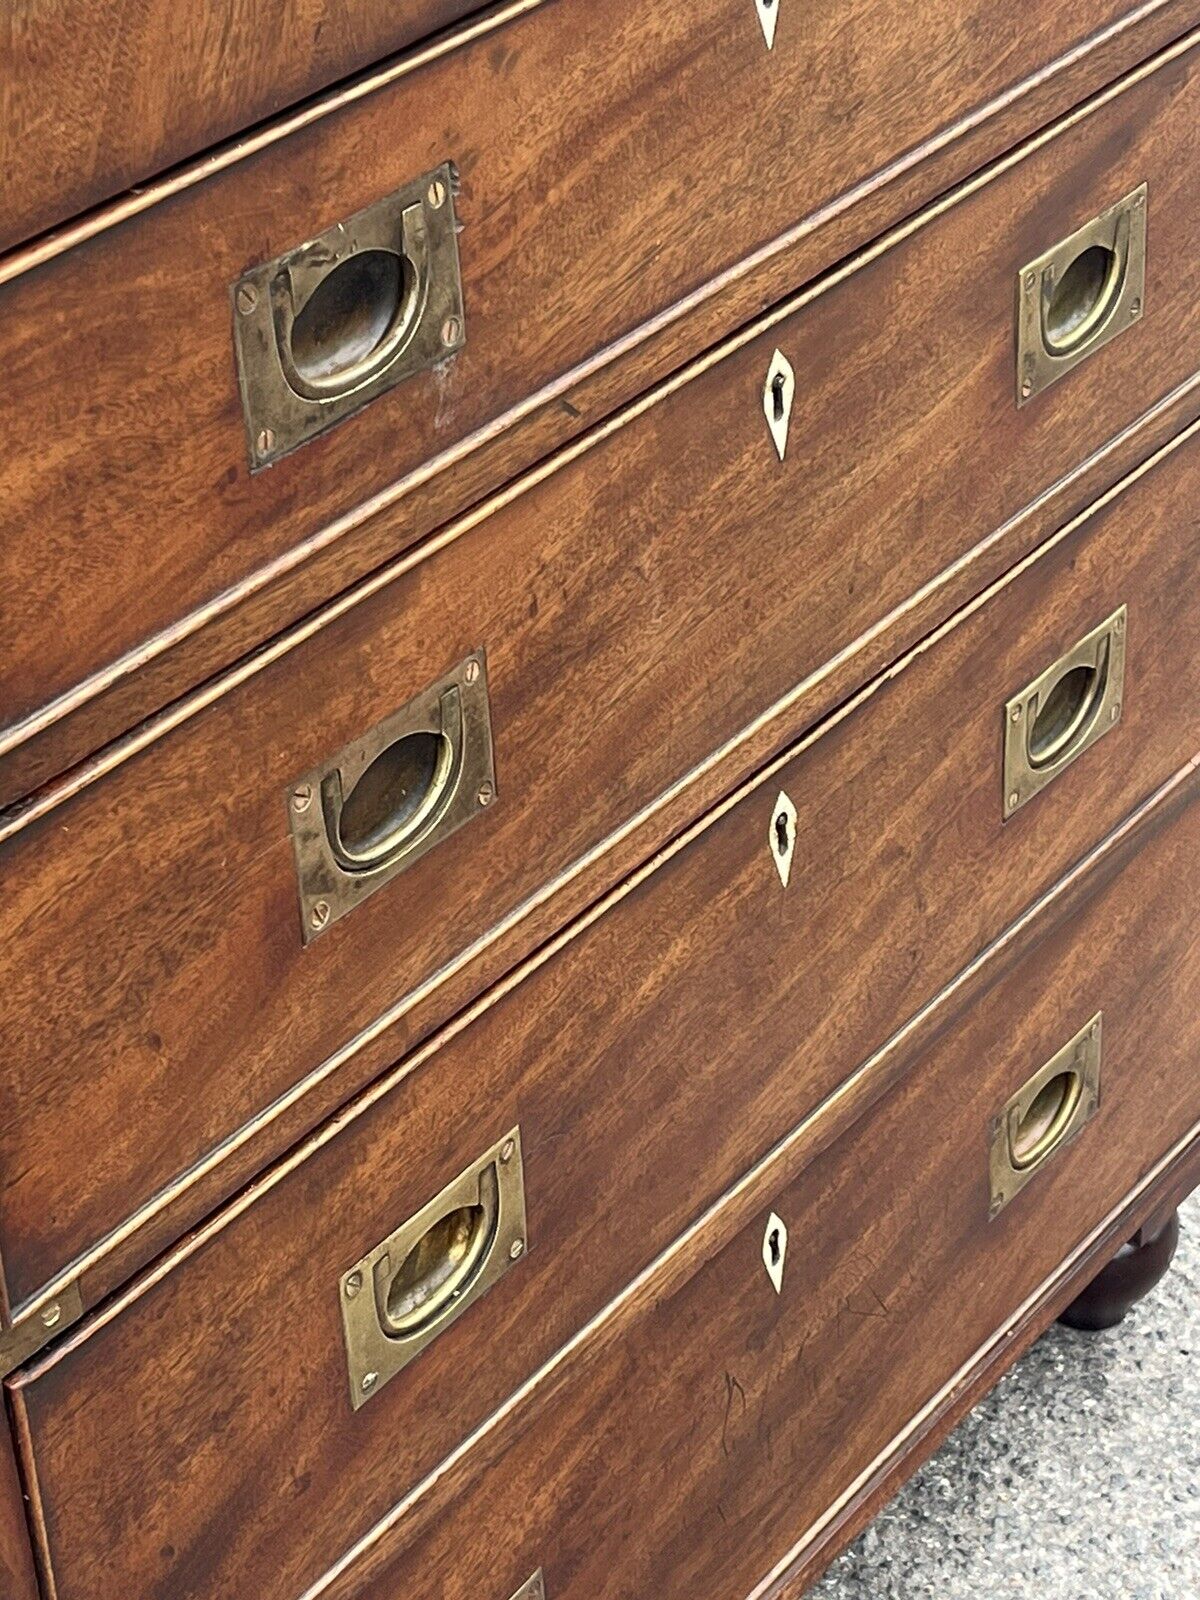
<point>341,319</point>
<point>421,1278</point>
<point>385,800</point>
<point>1078,295</point>
<point>344,317</point>
<point>1063,711</point>
<point>400,794</point>
<point>441,1266</point>
<point>1045,1115</point>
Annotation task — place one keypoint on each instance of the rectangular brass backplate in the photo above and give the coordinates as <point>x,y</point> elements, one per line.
<point>533,1589</point>
<point>331,324</point>
<point>1045,1115</point>
<point>1066,708</point>
<point>421,1278</point>
<point>386,799</point>
<point>1078,295</point>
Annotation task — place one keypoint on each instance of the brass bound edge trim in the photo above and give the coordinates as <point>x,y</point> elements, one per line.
<point>36,1328</point>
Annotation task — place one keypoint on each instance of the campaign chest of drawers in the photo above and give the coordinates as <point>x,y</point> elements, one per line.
<point>599,770</point>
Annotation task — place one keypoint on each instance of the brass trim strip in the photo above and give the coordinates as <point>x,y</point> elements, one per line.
<point>189,705</point>
<point>48,1317</point>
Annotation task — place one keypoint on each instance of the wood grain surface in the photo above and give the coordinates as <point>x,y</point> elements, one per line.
<point>130,515</point>
<point>161,904</point>
<point>717,1435</point>
<point>101,94</point>
<point>649,1061</point>
<point>708,1399</point>
<point>18,1580</point>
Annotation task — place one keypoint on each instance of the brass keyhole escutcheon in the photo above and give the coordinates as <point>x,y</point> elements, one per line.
<point>774,1250</point>
<point>1036,1133</point>
<point>1082,298</point>
<point>768,17</point>
<point>783,836</point>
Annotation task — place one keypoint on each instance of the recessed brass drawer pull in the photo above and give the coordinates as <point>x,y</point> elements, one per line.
<point>326,327</point>
<point>421,1278</point>
<point>1080,294</point>
<point>1045,1115</point>
<point>388,798</point>
<point>1063,711</point>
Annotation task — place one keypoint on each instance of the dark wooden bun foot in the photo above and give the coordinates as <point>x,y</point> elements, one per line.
<point>1127,1278</point>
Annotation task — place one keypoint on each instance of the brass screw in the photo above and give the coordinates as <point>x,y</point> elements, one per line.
<point>437,193</point>
<point>472,672</point>
<point>507,1150</point>
<point>451,330</point>
<point>1115,712</point>
<point>353,1284</point>
<point>516,1249</point>
<point>302,797</point>
<point>247,298</point>
<point>52,1315</point>
<point>1027,388</point>
<point>1016,713</point>
<point>266,441</point>
<point>369,1382</point>
<point>320,914</point>
<point>1135,309</point>
<point>486,794</point>
<point>1014,800</point>
<point>1119,625</point>
<point>1031,280</point>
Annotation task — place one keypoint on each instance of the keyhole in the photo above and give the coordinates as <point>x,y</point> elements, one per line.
<point>781,833</point>
<point>777,386</point>
<point>775,1250</point>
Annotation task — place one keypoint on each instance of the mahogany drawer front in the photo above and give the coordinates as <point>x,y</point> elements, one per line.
<point>648,1061</point>
<point>161,904</point>
<point>102,94</point>
<point>18,1581</point>
<point>729,1419</point>
<point>132,515</point>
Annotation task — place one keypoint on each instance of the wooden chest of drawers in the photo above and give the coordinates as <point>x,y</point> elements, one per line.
<point>598,762</point>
